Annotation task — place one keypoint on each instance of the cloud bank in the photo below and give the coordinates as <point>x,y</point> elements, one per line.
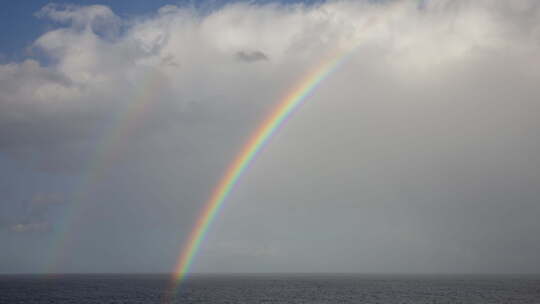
<point>420,154</point>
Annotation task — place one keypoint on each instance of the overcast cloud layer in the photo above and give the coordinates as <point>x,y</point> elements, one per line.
<point>420,154</point>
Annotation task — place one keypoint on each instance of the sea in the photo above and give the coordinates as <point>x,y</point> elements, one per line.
<point>269,288</point>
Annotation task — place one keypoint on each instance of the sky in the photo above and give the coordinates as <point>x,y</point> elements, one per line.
<point>419,154</point>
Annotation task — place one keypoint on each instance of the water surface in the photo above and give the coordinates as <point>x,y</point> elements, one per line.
<point>300,288</point>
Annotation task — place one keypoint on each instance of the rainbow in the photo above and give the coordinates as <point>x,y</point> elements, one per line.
<point>110,150</point>
<point>285,108</point>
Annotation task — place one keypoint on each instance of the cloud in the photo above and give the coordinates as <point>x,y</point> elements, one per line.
<point>251,56</point>
<point>30,227</point>
<point>34,214</point>
<point>92,80</point>
<point>99,19</point>
<point>407,158</point>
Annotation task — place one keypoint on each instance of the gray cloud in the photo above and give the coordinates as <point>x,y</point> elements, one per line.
<point>30,227</point>
<point>34,214</point>
<point>419,154</point>
<point>251,56</point>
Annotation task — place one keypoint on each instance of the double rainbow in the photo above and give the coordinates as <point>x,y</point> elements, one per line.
<point>285,108</point>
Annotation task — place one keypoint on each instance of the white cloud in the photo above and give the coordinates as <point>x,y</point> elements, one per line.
<point>189,49</point>
<point>92,17</point>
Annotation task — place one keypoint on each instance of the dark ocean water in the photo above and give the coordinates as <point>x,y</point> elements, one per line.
<point>270,289</point>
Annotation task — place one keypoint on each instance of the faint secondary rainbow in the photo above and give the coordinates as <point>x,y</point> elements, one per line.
<point>292,100</point>
<point>110,149</point>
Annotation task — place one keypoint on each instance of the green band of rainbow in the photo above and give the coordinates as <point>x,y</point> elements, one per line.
<point>284,109</point>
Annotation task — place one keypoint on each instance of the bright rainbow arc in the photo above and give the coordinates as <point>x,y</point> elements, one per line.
<point>294,99</point>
